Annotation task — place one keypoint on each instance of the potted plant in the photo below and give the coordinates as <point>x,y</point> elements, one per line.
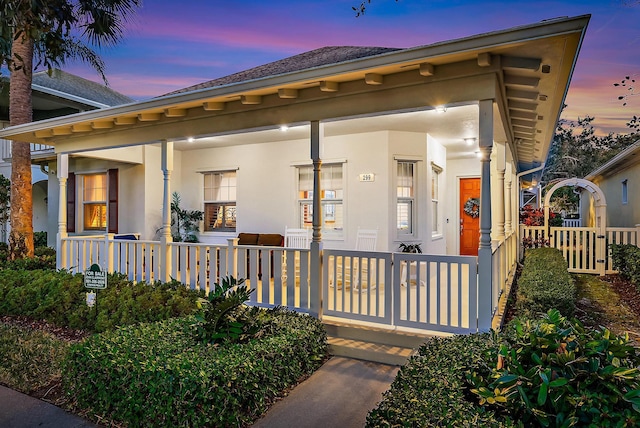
<point>410,248</point>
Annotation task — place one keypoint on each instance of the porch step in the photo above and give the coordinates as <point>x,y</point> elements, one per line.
<point>372,344</point>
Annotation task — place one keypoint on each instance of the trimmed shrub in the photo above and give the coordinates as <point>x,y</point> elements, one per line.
<point>626,260</point>
<point>545,283</point>
<point>159,375</point>
<point>431,390</point>
<point>59,297</point>
<point>553,372</point>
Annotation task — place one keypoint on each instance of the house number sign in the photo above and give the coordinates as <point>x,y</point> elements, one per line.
<point>368,177</point>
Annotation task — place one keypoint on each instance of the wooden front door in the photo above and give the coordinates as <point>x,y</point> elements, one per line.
<point>469,224</point>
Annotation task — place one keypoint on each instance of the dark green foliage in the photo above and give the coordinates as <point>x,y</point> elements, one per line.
<point>553,372</point>
<point>545,283</point>
<point>59,297</point>
<point>626,260</point>
<point>159,375</point>
<point>184,223</point>
<point>224,316</point>
<point>42,260</point>
<point>431,390</point>
<point>410,248</point>
<point>39,239</point>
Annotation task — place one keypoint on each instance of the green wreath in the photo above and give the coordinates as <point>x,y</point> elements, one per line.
<point>472,207</point>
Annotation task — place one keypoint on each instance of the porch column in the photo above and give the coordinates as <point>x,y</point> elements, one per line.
<point>501,166</point>
<point>485,276</point>
<point>165,237</point>
<point>63,175</point>
<point>508,226</point>
<point>315,300</point>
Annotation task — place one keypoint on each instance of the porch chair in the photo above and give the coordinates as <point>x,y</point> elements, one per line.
<point>295,238</point>
<point>366,240</point>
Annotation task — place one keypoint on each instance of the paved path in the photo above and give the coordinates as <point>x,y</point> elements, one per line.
<point>18,410</point>
<point>339,394</point>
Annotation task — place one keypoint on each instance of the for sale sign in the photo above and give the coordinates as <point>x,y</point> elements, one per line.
<point>95,278</point>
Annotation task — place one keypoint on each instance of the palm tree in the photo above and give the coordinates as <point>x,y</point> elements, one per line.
<point>48,32</point>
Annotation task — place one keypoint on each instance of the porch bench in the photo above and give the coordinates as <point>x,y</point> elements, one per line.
<point>261,239</point>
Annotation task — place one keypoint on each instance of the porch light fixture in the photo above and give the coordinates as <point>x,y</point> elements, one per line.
<point>284,128</point>
<point>441,109</point>
<point>470,141</point>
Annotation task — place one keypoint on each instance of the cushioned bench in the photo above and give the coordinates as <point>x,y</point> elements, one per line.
<point>262,239</point>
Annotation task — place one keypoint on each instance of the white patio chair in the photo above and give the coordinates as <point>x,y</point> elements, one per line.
<point>366,240</point>
<point>295,238</point>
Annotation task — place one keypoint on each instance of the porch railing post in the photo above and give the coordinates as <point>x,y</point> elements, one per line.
<point>637,241</point>
<point>61,247</point>
<point>315,298</point>
<point>485,268</point>
<point>232,257</point>
<point>165,239</point>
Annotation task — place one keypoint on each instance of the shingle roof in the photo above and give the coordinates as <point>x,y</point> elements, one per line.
<point>76,85</point>
<point>306,60</point>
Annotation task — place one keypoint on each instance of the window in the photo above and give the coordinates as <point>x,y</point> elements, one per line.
<point>405,194</point>
<point>625,194</point>
<point>94,201</point>
<point>220,201</point>
<point>435,196</point>
<point>331,198</point>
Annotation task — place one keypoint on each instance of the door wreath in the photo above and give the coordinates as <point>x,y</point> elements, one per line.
<point>472,207</point>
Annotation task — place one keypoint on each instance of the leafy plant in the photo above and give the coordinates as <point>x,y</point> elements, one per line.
<point>554,372</point>
<point>626,260</point>
<point>184,223</point>
<point>223,315</point>
<point>410,248</point>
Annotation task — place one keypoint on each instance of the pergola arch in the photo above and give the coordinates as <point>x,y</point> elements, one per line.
<point>593,189</point>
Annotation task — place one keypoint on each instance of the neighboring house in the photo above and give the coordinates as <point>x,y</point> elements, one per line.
<point>619,180</point>
<point>428,145</point>
<point>53,95</point>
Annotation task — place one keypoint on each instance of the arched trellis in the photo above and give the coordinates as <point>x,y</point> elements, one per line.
<point>600,201</point>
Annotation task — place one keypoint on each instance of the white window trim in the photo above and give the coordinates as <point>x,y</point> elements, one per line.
<point>220,233</point>
<point>438,233</point>
<point>416,160</point>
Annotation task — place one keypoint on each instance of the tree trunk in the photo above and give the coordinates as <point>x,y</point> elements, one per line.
<point>21,111</point>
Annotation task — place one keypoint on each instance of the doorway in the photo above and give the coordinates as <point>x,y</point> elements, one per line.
<point>469,216</point>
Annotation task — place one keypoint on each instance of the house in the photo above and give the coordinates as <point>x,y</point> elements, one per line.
<point>427,145</point>
<point>53,94</point>
<point>617,179</point>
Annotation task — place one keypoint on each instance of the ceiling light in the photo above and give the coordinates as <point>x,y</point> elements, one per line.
<point>441,109</point>
<point>470,141</point>
<point>190,140</point>
<point>284,128</point>
<point>479,154</point>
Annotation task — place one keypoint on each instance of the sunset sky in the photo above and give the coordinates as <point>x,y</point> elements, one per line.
<point>171,44</point>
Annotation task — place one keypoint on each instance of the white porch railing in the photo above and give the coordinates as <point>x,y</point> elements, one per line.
<point>428,292</point>
<point>571,222</point>
<point>503,264</point>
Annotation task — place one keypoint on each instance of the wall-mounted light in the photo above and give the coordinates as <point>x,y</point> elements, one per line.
<point>470,141</point>
<point>441,109</point>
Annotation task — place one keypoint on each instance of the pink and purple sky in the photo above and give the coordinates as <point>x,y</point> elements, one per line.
<point>173,44</point>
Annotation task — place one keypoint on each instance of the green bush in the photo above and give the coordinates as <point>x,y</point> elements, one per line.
<point>553,372</point>
<point>224,317</point>
<point>159,375</point>
<point>60,298</point>
<point>39,239</point>
<point>431,390</point>
<point>626,260</point>
<point>545,283</point>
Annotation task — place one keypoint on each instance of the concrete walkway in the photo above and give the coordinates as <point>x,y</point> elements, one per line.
<point>18,410</point>
<point>339,394</point>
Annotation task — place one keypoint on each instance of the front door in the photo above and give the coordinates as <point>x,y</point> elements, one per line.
<point>469,216</point>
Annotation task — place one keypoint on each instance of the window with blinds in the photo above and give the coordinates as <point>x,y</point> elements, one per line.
<point>220,201</point>
<point>436,171</point>
<point>405,197</point>
<point>94,201</point>
<point>331,200</point>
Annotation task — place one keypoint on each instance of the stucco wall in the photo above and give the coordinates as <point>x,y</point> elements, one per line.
<point>619,214</point>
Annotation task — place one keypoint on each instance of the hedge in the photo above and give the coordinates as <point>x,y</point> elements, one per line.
<point>545,283</point>
<point>158,374</point>
<point>59,297</point>
<point>626,260</point>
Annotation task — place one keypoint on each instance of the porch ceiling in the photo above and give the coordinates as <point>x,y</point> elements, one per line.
<point>526,70</point>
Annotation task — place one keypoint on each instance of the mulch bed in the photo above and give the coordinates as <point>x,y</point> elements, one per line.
<point>62,333</point>
<point>628,291</point>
